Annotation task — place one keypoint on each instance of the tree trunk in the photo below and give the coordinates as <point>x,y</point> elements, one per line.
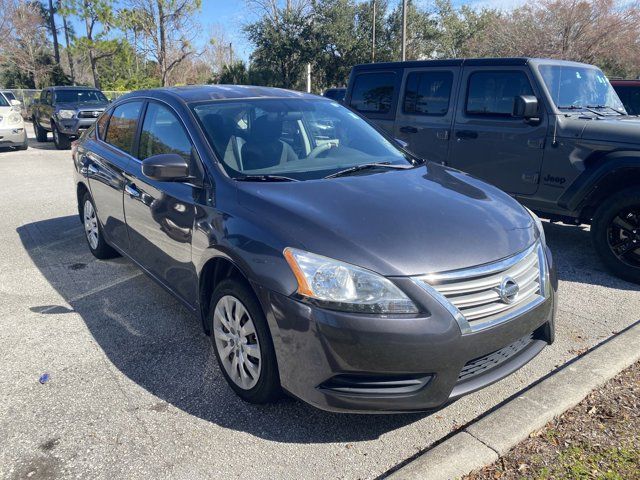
<point>69,56</point>
<point>163,42</point>
<point>54,32</point>
<point>92,56</point>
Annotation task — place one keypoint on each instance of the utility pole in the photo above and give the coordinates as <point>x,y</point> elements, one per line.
<point>230,53</point>
<point>373,34</point>
<point>308,78</point>
<point>404,30</point>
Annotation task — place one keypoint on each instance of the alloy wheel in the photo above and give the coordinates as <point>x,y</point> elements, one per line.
<point>237,342</point>
<point>91,224</point>
<point>623,236</point>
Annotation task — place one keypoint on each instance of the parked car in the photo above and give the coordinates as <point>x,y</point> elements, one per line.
<point>338,269</point>
<point>12,131</point>
<point>629,93</point>
<point>553,134</point>
<point>335,94</point>
<point>67,112</point>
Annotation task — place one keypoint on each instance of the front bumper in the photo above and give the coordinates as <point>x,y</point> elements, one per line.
<point>362,363</point>
<point>13,136</point>
<point>74,127</point>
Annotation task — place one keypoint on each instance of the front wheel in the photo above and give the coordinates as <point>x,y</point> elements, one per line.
<point>93,230</point>
<point>61,141</point>
<point>616,234</point>
<point>242,342</point>
<point>41,133</point>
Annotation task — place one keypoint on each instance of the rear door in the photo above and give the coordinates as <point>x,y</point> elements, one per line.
<point>375,94</point>
<point>487,140</point>
<point>106,165</point>
<point>160,215</point>
<point>426,111</point>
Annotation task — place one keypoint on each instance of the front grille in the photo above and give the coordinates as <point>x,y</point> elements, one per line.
<point>484,295</point>
<point>487,362</point>
<point>89,113</point>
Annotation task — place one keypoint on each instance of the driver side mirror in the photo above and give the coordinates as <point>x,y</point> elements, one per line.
<point>525,106</point>
<point>166,167</point>
<point>16,103</point>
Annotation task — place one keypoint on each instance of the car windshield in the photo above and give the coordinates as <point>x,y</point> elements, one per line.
<point>579,87</point>
<point>80,96</point>
<point>301,139</point>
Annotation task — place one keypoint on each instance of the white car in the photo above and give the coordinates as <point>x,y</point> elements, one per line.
<point>12,131</point>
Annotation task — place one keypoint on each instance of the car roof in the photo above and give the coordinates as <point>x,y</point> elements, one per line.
<point>458,62</point>
<point>198,93</point>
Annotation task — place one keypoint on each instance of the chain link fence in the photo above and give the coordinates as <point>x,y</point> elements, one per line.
<point>27,96</point>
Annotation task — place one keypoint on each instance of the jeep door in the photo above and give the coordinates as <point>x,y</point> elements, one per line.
<point>487,140</point>
<point>426,109</point>
<point>374,94</point>
<point>160,215</point>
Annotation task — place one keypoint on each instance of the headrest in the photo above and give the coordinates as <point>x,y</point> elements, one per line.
<point>266,129</point>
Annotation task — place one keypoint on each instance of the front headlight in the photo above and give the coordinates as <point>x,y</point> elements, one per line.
<point>66,113</point>
<point>342,286</point>
<point>14,118</point>
<point>539,226</point>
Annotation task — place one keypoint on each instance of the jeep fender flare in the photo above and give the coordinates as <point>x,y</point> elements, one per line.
<point>605,175</point>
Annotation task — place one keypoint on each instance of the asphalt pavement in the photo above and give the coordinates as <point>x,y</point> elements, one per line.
<point>134,390</point>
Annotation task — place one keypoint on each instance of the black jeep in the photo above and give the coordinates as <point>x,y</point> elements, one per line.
<point>553,134</point>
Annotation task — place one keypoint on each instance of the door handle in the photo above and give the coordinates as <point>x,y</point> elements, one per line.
<point>442,134</point>
<point>132,190</point>
<point>92,169</point>
<point>466,134</point>
<point>408,129</point>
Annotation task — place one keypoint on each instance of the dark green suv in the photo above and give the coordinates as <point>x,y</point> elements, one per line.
<point>553,134</point>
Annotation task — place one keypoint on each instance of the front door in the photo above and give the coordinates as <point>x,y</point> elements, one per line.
<point>425,111</point>
<point>487,141</point>
<point>160,215</point>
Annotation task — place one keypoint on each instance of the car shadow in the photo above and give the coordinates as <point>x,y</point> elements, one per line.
<point>576,258</point>
<point>159,345</point>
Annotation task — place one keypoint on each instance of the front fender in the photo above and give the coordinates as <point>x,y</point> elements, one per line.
<point>593,181</point>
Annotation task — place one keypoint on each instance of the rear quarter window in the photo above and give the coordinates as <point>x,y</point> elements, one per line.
<point>373,92</point>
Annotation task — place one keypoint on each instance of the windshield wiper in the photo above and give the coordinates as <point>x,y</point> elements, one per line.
<point>266,178</point>
<point>570,107</point>
<point>366,166</point>
<point>607,106</point>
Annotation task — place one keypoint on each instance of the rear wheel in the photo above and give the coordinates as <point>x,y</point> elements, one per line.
<point>41,133</point>
<point>242,342</point>
<point>93,231</point>
<point>616,234</point>
<point>60,139</point>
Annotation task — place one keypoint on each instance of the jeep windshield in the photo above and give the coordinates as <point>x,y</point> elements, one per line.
<point>580,87</point>
<point>268,139</point>
<point>80,96</point>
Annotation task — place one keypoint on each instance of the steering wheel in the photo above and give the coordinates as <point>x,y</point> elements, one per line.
<point>319,149</point>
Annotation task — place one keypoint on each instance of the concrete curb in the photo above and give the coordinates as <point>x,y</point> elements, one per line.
<point>484,441</point>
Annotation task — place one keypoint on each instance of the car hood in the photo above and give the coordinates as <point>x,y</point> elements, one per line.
<point>623,128</point>
<point>398,222</point>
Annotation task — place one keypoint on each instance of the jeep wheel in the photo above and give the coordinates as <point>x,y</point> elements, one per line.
<point>616,234</point>
<point>60,139</point>
<point>41,133</point>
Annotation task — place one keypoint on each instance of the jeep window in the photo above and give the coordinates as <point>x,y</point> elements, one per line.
<point>122,126</point>
<point>297,138</point>
<point>373,92</point>
<point>493,93</point>
<point>162,132</point>
<point>427,93</point>
<point>80,96</point>
<point>579,87</point>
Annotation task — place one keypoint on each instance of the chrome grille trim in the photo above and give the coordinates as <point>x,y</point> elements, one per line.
<point>487,362</point>
<point>471,295</point>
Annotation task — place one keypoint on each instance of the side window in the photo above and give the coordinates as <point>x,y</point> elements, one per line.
<point>162,132</point>
<point>47,97</point>
<point>121,130</point>
<point>101,125</point>
<point>492,93</point>
<point>373,92</point>
<point>427,93</point>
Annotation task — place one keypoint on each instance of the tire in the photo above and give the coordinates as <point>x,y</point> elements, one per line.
<point>60,139</point>
<point>41,133</point>
<point>261,387</point>
<point>615,231</point>
<point>93,230</point>
<point>23,146</point>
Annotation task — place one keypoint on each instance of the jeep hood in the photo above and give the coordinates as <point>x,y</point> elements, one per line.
<point>622,129</point>
<point>396,222</point>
